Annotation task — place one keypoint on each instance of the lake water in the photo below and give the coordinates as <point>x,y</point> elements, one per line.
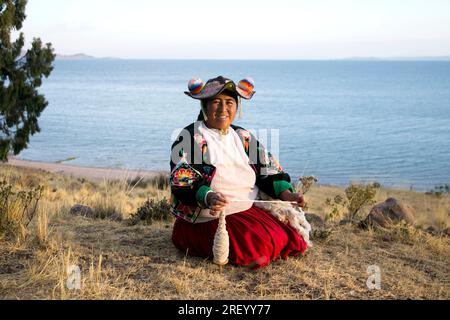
<point>387,121</point>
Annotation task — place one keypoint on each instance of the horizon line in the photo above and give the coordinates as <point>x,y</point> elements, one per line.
<point>91,57</point>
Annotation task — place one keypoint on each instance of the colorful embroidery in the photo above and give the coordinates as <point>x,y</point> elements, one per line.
<point>200,140</point>
<point>245,138</point>
<point>184,175</point>
<point>208,174</point>
<point>185,212</point>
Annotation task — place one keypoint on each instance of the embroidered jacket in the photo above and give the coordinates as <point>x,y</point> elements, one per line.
<point>192,171</point>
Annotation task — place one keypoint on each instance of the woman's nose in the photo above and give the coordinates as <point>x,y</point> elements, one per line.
<point>221,107</point>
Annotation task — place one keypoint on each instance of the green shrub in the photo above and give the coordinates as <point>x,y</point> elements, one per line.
<point>152,210</point>
<point>305,183</point>
<point>358,196</point>
<point>440,190</point>
<point>337,204</point>
<point>17,209</point>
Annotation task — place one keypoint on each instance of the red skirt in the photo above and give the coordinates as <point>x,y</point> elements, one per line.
<point>256,238</point>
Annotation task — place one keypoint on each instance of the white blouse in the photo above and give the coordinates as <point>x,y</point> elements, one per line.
<point>234,177</point>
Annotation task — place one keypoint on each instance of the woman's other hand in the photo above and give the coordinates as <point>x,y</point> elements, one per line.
<point>216,202</point>
<point>293,197</point>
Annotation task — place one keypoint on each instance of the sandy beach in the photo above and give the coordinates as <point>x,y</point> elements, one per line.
<point>91,173</point>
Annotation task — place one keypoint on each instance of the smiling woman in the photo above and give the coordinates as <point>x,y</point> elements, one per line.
<point>218,170</point>
<point>220,112</point>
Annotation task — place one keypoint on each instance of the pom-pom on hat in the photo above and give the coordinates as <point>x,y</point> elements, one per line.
<point>195,86</point>
<point>246,87</point>
<point>215,86</point>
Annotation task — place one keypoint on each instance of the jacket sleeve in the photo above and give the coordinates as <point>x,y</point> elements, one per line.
<point>187,183</point>
<point>271,178</point>
<point>269,184</point>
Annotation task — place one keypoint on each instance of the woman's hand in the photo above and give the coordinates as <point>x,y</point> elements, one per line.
<point>287,195</point>
<point>216,202</point>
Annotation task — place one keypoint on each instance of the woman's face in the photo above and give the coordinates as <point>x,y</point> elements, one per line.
<point>220,112</point>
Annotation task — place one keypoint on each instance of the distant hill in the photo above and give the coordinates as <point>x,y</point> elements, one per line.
<point>80,56</point>
<point>435,58</point>
<point>83,56</point>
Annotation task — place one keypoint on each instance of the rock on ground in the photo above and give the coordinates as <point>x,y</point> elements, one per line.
<point>314,219</point>
<point>390,212</point>
<point>81,210</point>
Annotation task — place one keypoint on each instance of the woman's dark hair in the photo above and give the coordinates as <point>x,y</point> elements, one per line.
<point>204,103</point>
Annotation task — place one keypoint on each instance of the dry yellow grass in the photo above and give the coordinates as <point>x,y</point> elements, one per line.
<point>430,210</point>
<point>118,261</point>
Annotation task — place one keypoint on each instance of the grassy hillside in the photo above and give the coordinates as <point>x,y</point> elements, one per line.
<point>123,260</point>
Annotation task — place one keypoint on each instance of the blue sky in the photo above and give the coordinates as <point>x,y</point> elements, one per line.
<point>264,29</point>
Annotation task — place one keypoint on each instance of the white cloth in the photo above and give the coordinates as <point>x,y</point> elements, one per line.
<point>234,177</point>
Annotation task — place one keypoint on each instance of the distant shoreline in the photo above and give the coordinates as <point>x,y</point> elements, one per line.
<point>101,173</point>
<point>84,57</point>
<point>94,173</point>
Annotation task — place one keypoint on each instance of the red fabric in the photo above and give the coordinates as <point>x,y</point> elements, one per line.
<point>256,238</point>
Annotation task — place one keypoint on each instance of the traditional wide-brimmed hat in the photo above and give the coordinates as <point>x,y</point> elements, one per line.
<point>215,86</point>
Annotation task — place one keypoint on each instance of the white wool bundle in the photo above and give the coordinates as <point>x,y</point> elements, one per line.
<point>286,213</point>
<point>221,245</point>
<point>283,211</point>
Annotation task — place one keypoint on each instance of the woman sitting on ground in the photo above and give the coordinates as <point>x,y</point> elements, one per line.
<point>219,167</point>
